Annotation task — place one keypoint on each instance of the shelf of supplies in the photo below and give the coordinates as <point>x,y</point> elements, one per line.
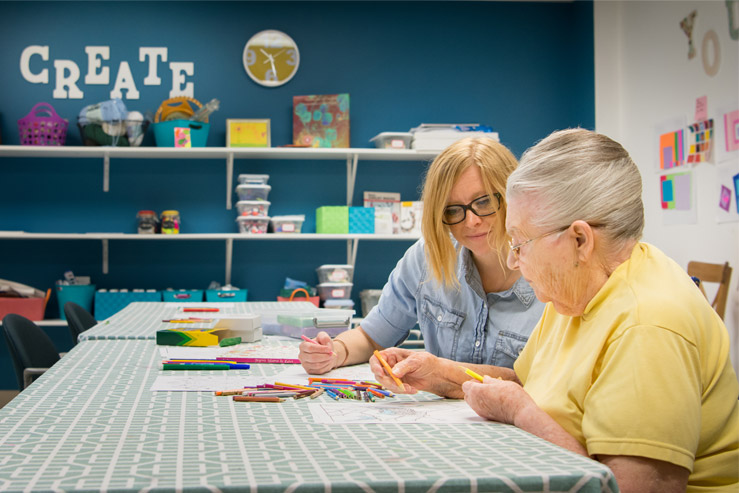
<point>350,155</point>
<point>352,240</point>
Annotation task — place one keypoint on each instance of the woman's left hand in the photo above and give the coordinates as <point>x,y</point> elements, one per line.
<point>496,400</point>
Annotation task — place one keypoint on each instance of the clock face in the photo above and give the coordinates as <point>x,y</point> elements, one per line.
<point>271,58</point>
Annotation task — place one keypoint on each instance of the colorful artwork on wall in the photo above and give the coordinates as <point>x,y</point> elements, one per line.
<point>321,120</point>
<point>727,188</point>
<point>671,147</point>
<point>676,191</point>
<point>700,141</point>
<point>731,130</point>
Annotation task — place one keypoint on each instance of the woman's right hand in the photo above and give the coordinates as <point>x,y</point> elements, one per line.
<point>318,357</point>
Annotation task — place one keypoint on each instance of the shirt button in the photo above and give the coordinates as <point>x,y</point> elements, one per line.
<point>438,318</point>
<point>477,343</point>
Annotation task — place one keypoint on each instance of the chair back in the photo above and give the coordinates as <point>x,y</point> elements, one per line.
<point>28,345</point>
<point>78,319</point>
<point>718,273</point>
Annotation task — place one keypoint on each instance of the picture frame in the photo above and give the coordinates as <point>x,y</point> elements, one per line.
<point>254,132</point>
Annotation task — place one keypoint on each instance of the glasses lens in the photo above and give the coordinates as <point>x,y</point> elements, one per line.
<point>453,214</point>
<point>486,205</point>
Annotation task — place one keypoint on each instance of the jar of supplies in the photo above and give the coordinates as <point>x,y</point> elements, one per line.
<point>170,222</point>
<point>147,221</point>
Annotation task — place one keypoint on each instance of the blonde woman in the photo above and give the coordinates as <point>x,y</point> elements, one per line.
<point>453,283</point>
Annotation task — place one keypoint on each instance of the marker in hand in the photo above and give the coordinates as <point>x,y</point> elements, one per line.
<point>308,339</point>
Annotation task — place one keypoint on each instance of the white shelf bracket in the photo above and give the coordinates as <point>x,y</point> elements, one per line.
<point>229,178</point>
<point>106,172</point>
<point>351,251</point>
<point>105,255</point>
<point>351,176</point>
<point>229,258</point>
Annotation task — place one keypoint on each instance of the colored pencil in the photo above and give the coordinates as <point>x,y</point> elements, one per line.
<point>472,373</point>
<point>388,369</point>
<point>249,398</point>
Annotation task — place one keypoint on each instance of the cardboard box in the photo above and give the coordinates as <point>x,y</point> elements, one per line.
<point>248,327</point>
<point>384,202</point>
<point>410,217</point>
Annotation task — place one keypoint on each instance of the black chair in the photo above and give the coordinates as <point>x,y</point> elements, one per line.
<point>78,319</point>
<point>31,350</point>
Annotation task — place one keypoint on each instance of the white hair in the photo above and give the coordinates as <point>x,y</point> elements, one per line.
<point>578,174</point>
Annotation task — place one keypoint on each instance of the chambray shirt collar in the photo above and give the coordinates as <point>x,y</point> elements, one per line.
<point>468,270</point>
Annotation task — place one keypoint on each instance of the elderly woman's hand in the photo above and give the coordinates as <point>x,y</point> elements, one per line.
<point>318,357</point>
<point>497,400</point>
<point>417,370</point>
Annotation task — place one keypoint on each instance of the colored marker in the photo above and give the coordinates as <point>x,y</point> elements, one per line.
<point>203,309</point>
<point>472,373</point>
<point>194,366</point>
<point>388,369</point>
<point>308,339</point>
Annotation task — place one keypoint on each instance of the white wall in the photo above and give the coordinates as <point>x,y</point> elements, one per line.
<point>642,77</point>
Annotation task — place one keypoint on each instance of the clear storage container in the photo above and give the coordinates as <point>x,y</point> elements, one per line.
<point>335,273</point>
<point>253,207</point>
<point>334,290</point>
<point>246,179</point>
<point>287,224</point>
<point>252,224</point>
<point>253,192</point>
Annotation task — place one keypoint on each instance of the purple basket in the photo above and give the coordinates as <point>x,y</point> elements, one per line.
<point>37,130</point>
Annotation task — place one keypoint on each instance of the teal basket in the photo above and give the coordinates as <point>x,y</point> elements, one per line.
<point>164,132</point>
<point>82,294</point>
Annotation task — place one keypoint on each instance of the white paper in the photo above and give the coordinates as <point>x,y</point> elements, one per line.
<point>435,412</point>
<point>191,352</point>
<point>207,383</point>
<point>297,374</point>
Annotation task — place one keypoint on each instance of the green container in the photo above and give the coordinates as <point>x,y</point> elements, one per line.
<point>332,220</point>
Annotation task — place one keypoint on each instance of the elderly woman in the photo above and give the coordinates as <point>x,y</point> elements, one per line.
<point>454,282</point>
<point>629,364</point>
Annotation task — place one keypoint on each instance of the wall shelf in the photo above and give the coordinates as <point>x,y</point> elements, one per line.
<point>350,155</point>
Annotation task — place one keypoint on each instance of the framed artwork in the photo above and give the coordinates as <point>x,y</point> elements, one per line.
<point>321,120</point>
<point>248,133</point>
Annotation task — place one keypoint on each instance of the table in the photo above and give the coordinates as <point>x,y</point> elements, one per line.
<point>91,423</point>
<point>141,320</point>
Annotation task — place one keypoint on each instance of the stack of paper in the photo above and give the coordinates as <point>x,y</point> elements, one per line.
<point>438,136</point>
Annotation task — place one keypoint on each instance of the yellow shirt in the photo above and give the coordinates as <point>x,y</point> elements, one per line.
<point>645,371</point>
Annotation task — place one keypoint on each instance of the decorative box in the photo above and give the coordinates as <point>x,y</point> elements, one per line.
<point>332,219</point>
<point>361,220</point>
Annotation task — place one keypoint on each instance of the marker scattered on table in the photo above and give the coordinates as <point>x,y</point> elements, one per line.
<point>388,369</point>
<point>201,309</point>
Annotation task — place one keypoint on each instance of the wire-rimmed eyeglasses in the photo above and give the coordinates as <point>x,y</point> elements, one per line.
<point>481,207</point>
<point>515,249</point>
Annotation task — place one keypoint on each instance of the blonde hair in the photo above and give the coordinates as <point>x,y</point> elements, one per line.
<point>495,162</point>
<point>581,175</point>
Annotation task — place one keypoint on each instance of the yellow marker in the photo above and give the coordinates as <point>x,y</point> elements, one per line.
<point>472,373</point>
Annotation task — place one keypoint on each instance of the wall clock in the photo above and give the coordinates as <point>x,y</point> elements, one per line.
<point>271,58</point>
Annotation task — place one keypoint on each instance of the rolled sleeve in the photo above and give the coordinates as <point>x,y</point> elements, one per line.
<point>396,314</point>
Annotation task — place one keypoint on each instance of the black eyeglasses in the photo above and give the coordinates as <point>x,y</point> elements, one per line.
<point>481,207</point>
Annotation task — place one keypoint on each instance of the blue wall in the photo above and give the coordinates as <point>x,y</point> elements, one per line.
<point>524,68</point>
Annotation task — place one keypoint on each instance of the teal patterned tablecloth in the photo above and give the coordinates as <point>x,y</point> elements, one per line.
<point>141,320</point>
<point>91,423</point>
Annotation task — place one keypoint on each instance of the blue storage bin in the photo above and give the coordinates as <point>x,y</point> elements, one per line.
<point>183,295</point>
<point>164,132</point>
<point>108,304</point>
<point>225,294</point>
<point>82,294</point>
<point>361,220</point>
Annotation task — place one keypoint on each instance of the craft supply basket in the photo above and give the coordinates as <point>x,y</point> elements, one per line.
<point>313,299</point>
<point>37,130</point>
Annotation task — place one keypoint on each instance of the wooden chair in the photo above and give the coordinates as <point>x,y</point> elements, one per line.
<point>719,273</point>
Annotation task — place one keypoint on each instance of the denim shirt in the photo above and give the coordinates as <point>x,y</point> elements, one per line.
<point>465,324</point>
